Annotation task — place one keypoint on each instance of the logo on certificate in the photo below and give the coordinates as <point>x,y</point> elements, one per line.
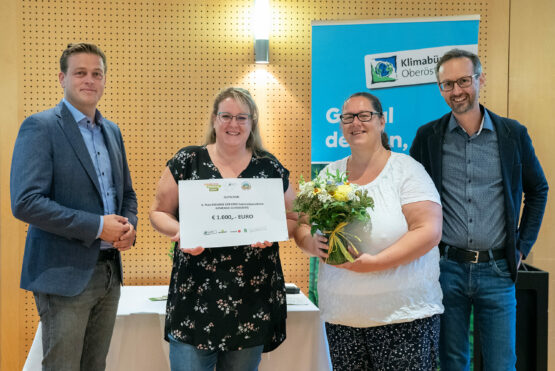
<point>245,186</point>
<point>213,187</point>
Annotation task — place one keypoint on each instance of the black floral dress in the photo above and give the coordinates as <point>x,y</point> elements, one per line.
<point>233,297</point>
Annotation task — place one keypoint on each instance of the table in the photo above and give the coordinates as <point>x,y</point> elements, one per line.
<point>138,344</point>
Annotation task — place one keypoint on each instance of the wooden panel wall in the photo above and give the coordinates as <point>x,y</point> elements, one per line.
<point>166,61</point>
<point>12,233</point>
<point>531,97</point>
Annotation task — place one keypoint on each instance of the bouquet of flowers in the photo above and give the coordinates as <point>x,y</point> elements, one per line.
<point>331,202</point>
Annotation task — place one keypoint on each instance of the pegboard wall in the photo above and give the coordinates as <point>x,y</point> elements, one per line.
<point>168,59</point>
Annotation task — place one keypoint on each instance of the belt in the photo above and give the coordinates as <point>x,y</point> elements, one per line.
<point>108,254</point>
<point>470,256</point>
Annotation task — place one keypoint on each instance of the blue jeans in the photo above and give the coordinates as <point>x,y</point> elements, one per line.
<point>186,357</point>
<point>487,287</point>
<point>76,331</point>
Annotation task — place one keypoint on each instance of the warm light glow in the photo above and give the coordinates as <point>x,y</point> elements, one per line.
<point>262,20</point>
<point>260,77</point>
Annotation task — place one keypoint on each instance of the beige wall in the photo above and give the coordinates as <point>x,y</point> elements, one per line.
<point>12,233</point>
<point>167,59</point>
<point>532,102</point>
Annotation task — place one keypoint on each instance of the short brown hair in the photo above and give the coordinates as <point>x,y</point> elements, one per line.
<point>81,48</point>
<point>460,53</point>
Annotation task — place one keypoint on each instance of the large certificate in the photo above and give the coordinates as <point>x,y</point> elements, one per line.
<point>231,212</point>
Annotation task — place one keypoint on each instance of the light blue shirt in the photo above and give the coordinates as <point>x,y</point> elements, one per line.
<point>472,188</point>
<point>94,140</point>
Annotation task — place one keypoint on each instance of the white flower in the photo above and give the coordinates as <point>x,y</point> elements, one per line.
<point>324,197</point>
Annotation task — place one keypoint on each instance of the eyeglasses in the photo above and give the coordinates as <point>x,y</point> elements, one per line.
<point>226,117</point>
<point>363,116</point>
<point>463,82</point>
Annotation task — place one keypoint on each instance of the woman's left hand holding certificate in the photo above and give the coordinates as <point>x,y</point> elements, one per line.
<point>193,251</point>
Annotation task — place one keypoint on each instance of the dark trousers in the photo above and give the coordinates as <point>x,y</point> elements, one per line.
<point>400,346</point>
<point>76,331</point>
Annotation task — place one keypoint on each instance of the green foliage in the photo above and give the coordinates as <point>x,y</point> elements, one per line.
<point>329,201</point>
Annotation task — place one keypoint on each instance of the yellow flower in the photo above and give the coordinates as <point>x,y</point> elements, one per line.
<point>342,192</point>
<point>316,190</point>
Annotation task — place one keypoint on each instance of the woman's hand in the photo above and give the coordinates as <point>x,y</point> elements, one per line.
<point>262,245</point>
<point>424,222</point>
<point>317,245</point>
<point>164,210</point>
<point>193,251</point>
<point>363,263</point>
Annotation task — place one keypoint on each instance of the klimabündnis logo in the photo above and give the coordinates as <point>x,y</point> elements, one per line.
<point>384,69</point>
<point>406,67</point>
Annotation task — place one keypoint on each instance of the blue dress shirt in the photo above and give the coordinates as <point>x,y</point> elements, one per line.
<point>94,140</point>
<point>472,196</point>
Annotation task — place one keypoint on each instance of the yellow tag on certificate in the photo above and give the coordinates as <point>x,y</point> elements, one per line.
<point>231,212</point>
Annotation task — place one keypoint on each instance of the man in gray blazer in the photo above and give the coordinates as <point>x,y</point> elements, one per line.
<point>70,181</point>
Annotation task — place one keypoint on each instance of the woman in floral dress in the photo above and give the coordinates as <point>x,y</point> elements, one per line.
<point>225,305</point>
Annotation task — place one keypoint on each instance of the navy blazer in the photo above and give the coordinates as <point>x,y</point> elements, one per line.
<point>521,171</point>
<point>54,188</point>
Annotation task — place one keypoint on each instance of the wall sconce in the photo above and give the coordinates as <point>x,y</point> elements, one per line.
<point>262,23</point>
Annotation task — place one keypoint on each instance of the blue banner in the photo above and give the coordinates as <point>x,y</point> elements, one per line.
<point>392,59</point>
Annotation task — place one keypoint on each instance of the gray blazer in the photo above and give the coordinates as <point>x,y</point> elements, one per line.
<point>54,188</point>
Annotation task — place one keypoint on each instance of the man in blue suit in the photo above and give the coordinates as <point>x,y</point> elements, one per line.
<point>482,165</point>
<point>70,181</point>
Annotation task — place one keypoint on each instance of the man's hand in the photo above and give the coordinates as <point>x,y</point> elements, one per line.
<point>127,239</point>
<point>115,226</point>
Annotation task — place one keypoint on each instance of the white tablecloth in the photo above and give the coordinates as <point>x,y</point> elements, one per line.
<point>138,344</point>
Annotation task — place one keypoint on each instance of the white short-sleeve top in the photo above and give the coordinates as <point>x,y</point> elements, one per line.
<point>395,295</point>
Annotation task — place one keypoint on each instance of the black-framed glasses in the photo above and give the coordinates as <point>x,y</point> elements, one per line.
<point>226,117</point>
<point>463,82</point>
<point>363,116</point>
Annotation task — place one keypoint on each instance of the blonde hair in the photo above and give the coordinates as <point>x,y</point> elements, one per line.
<point>240,95</point>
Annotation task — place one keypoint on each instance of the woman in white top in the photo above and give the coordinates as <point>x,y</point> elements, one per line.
<point>382,310</point>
